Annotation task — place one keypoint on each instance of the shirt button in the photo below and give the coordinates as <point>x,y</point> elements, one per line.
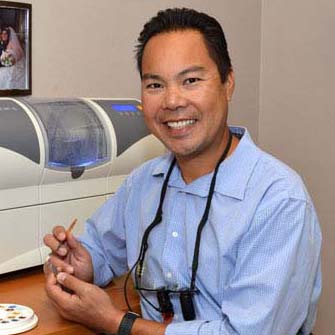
<point>175,234</point>
<point>168,274</point>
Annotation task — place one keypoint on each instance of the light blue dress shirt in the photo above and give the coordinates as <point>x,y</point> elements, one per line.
<point>259,263</point>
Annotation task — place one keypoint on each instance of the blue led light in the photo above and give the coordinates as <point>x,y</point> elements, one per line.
<point>124,108</point>
<point>82,163</point>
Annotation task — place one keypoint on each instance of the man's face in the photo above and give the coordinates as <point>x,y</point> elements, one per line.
<point>185,103</point>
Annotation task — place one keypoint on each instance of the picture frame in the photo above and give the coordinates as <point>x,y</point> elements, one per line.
<point>15,48</point>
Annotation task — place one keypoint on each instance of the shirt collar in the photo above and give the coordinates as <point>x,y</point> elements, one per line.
<point>163,165</point>
<point>233,175</point>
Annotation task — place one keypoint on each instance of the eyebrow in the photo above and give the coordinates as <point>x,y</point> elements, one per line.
<point>195,68</point>
<point>148,76</point>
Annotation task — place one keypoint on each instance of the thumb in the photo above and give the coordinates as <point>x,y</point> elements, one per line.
<point>71,283</point>
<point>78,249</point>
<point>71,241</point>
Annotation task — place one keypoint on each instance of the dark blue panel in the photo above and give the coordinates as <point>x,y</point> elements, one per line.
<point>129,127</point>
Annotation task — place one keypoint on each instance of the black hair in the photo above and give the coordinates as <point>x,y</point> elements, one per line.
<point>5,43</point>
<point>174,19</point>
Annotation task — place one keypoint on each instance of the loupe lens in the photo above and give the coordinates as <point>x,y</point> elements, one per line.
<point>186,303</point>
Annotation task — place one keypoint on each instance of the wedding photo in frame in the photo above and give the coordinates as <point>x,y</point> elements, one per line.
<point>15,48</point>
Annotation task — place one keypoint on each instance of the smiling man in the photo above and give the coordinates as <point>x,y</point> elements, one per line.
<point>185,100</point>
<point>220,237</point>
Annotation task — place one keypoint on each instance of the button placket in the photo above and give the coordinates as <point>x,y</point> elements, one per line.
<point>173,243</point>
<point>175,234</point>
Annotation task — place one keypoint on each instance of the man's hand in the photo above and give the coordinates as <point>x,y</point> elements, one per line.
<point>68,255</point>
<point>87,304</point>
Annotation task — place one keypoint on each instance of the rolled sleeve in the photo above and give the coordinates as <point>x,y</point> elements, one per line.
<point>104,238</point>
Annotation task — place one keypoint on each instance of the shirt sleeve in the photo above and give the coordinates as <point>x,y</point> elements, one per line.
<point>104,238</point>
<point>276,275</point>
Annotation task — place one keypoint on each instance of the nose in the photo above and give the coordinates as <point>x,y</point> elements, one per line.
<point>173,98</point>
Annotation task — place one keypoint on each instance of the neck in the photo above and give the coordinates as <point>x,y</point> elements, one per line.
<point>197,166</point>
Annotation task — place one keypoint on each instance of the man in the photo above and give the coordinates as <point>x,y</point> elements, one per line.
<point>222,235</point>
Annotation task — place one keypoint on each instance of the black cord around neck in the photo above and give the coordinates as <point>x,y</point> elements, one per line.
<point>157,220</point>
<point>138,266</point>
<point>204,218</point>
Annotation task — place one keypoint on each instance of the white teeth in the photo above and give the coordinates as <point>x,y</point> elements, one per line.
<point>180,124</point>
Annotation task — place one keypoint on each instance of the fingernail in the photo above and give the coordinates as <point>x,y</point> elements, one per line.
<point>62,251</point>
<point>53,269</point>
<point>61,277</point>
<point>62,236</point>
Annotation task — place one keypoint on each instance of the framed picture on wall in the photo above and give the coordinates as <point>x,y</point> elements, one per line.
<point>15,48</point>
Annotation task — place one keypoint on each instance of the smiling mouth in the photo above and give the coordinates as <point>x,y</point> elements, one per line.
<point>180,124</point>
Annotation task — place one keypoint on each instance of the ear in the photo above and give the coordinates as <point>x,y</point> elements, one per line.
<point>230,85</point>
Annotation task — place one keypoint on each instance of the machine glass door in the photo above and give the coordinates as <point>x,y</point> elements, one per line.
<point>75,135</point>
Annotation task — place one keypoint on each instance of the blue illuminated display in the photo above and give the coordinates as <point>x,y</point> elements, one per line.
<point>82,163</point>
<point>124,108</point>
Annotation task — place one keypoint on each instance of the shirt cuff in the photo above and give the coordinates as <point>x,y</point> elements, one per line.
<point>102,275</point>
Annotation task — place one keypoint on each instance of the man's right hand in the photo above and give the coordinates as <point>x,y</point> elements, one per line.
<point>68,254</point>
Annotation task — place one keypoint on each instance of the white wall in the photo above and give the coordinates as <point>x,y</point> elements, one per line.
<point>85,47</point>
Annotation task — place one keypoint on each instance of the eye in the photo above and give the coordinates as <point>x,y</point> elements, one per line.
<point>190,81</point>
<point>153,86</point>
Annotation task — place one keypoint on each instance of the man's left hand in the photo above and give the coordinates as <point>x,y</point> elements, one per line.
<point>86,304</point>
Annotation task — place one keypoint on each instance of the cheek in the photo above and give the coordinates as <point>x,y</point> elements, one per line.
<point>148,114</point>
<point>214,101</point>
<point>149,118</point>
<point>150,106</point>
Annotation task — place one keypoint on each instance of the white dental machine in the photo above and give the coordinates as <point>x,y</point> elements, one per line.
<point>61,159</point>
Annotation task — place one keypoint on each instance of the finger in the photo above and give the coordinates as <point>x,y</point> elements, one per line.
<point>62,249</point>
<point>51,242</point>
<point>72,283</point>
<point>60,233</point>
<point>51,280</point>
<point>79,251</point>
<point>71,241</point>
<point>48,267</point>
<point>57,295</point>
<point>57,241</point>
<point>55,289</point>
<point>52,287</point>
<point>59,264</point>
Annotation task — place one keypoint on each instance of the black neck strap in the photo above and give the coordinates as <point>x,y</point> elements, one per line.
<point>159,215</point>
<point>206,213</point>
<point>157,220</point>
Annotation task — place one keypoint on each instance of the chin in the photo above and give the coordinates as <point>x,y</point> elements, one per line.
<point>182,149</point>
<point>184,153</point>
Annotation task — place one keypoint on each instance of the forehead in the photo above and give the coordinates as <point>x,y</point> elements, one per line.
<point>175,50</point>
